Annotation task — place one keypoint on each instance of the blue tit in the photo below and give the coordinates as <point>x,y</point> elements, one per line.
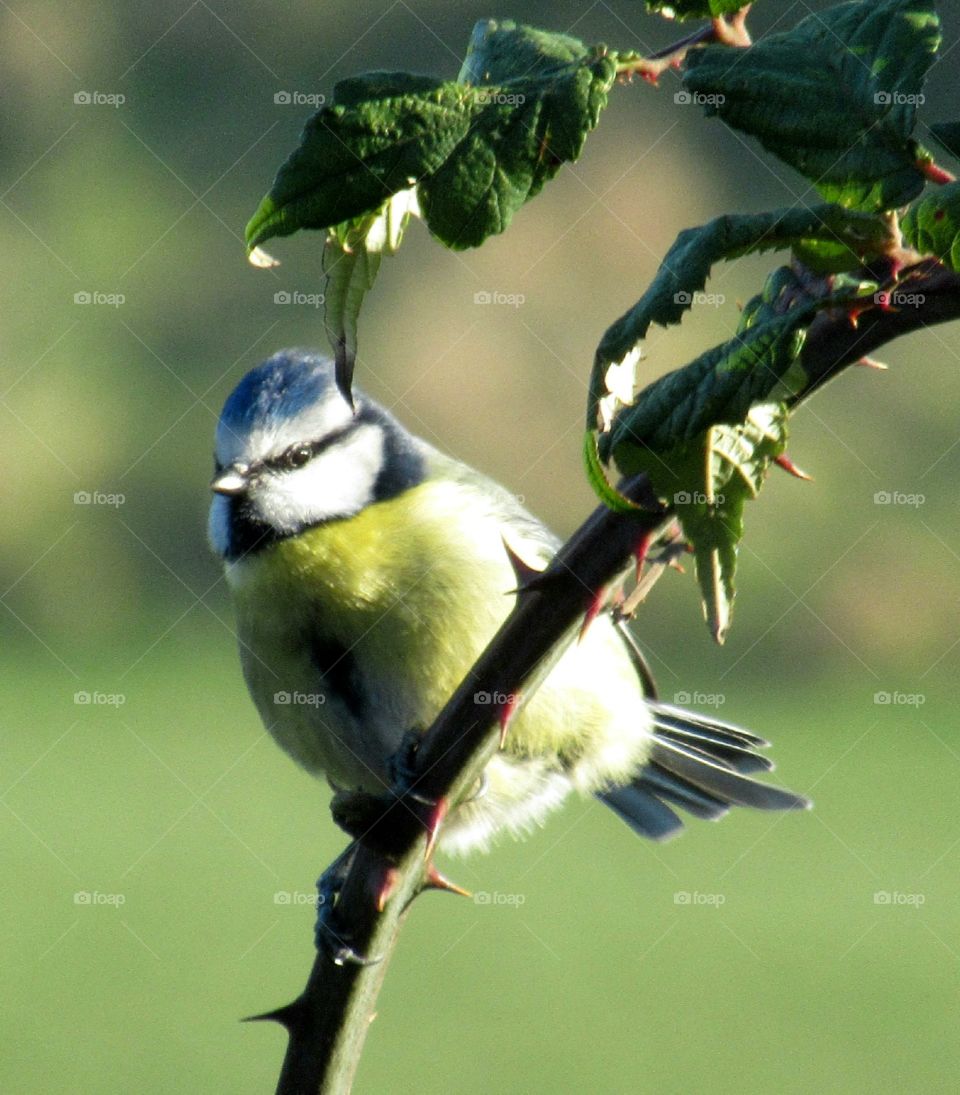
<point>368,571</point>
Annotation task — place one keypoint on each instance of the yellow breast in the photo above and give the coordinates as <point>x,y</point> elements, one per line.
<point>414,588</point>
<point>403,588</point>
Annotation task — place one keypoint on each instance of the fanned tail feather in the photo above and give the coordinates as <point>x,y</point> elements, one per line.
<point>700,765</point>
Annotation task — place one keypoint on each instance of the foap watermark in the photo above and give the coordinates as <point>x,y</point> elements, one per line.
<point>99,498</point>
<point>95,897</point>
<point>496,699</point>
<point>299,699</point>
<point>697,498</point>
<point>298,98</point>
<point>699,699</point>
<point>99,699</point>
<point>695,897</point>
<point>899,699</point>
<point>499,98</point>
<point>510,900</point>
<point>898,98</point>
<point>494,296</point>
<point>95,296</point>
<point>897,897</point>
<point>285,296</point>
<point>715,300</point>
<point>99,98</point>
<point>698,98</point>
<point>297,897</point>
<point>898,298</point>
<point>898,498</point>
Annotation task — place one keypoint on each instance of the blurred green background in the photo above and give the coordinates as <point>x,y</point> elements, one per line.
<point>159,852</point>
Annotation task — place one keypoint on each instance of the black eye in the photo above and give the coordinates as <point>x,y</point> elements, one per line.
<point>297,457</point>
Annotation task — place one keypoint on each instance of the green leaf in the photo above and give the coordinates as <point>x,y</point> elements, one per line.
<point>932,225</point>
<point>380,134</point>
<point>605,491</point>
<point>523,131</point>
<point>836,97</point>
<point>948,135</point>
<point>694,9</point>
<point>758,365</point>
<point>733,462</point>
<point>709,480</point>
<point>501,50</point>
<point>706,436</point>
<point>826,257</point>
<point>351,261</point>
<point>686,267</point>
<point>476,153</point>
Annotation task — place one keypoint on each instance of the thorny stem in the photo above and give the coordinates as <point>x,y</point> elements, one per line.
<point>328,1022</point>
<point>730,31</point>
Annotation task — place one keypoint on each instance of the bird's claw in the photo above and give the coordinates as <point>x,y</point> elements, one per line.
<point>330,936</point>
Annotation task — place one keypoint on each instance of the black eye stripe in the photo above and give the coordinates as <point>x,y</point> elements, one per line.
<point>298,455</point>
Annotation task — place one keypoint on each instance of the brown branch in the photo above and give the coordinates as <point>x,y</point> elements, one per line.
<point>328,1022</point>
<point>730,31</point>
<point>931,294</point>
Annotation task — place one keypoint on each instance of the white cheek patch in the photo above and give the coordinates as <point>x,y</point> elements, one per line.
<point>336,483</point>
<point>275,436</point>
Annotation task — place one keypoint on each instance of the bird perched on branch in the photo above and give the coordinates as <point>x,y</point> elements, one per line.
<point>368,572</point>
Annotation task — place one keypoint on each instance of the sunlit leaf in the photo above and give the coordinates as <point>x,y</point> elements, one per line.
<point>836,97</point>
<point>686,267</point>
<point>932,225</point>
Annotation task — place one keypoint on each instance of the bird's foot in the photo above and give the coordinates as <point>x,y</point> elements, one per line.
<point>331,936</point>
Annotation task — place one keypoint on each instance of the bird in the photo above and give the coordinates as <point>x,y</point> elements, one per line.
<point>368,571</point>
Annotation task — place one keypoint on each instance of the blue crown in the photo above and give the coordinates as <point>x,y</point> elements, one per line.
<point>279,388</point>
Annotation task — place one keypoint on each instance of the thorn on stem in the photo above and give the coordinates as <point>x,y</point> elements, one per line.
<point>436,881</point>
<point>592,613</point>
<point>784,461</point>
<point>440,810</point>
<point>935,173</point>
<point>387,888</point>
<point>640,552</point>
<point>854,314</point>
<point>507,711</point>
<point>287,1016</point>
<point>526,575</point>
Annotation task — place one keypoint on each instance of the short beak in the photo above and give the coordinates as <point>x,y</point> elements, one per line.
<point>231,481</point>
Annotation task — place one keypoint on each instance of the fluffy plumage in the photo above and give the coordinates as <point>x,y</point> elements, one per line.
<point>368,572</point>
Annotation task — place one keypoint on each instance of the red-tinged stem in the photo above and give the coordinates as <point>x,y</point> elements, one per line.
<point>507,711</point>
<point>640,553</point>
<point>727,32</point>
<point>935,173</point>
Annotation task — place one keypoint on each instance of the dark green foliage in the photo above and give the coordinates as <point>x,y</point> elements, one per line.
<point>686,267</point>
<point>694,9</point>
<point>836,97</point>
<point>476,152</point>
<point>932,225</point>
